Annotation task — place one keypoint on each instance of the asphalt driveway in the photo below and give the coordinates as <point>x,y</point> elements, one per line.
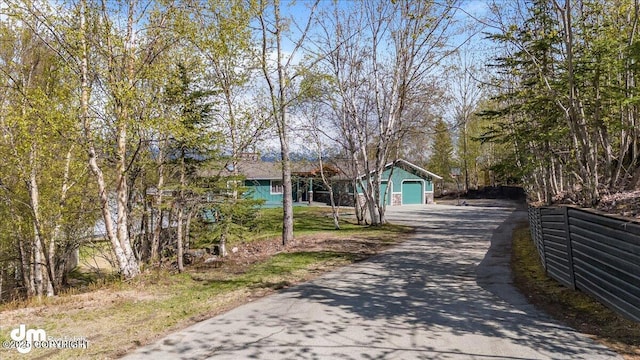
<point>443,294</point>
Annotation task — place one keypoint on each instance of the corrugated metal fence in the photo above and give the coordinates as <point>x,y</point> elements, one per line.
<point>598,254</point>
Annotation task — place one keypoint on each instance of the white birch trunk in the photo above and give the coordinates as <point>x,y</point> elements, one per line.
<point>179,237</point>
<point>26,272</point>
<point>55,234</point>
<point>32,272</point>
<point>43,275</point>
<point>180,219</point>
<point>131,268</point>
<point>37,265</point>
<point>157,216</point>
<point>121,257</point>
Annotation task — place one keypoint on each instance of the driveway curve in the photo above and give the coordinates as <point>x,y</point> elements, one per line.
<point>443,294</point>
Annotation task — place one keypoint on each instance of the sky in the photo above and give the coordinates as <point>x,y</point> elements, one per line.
<point>469,9</point>
<point>472,43</point>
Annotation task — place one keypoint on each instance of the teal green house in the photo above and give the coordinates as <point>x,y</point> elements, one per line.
<point>404,183</point>
<point>263,181</point>
<point>408,183</point>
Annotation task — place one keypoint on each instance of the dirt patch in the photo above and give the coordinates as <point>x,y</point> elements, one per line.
<point>238,261</point>
<point>244,254</point>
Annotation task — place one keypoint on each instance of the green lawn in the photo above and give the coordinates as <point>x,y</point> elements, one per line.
<point>310,220</point>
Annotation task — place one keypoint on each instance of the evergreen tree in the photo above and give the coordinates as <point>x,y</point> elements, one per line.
<point>190,145</point>
<point>441,160</point>
<point>568,96</point>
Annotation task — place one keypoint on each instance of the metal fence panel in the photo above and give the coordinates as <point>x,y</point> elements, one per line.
<point>536,232</point>
<point>595,253</point>
<point>606,255</point>
<point>557,252</point>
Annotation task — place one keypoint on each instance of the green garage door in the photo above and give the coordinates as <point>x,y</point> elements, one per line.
<point>412,192</point>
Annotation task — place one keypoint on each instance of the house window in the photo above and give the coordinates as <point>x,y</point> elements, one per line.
<point>276,187</point>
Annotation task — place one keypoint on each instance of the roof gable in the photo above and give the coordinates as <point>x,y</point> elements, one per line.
<point>414,167</point>
<point>401,163</point>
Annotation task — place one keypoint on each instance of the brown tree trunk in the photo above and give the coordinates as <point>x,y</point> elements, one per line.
<point>282,124</point>
<point>280,100</point>
<point>287,194</point>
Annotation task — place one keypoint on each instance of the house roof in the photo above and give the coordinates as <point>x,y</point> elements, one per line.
<point>410,165</point>
<point>263,170</point>
<point>250,169</point>
<point>416,167</point>
<point>260,170</point>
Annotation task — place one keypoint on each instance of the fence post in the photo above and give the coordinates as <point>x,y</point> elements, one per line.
<point>542,244</point>
<point>572,275</point>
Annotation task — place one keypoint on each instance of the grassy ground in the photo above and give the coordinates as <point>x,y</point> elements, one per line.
<point>118,316</point>
<point>306,220</point>
<point>574,308</point>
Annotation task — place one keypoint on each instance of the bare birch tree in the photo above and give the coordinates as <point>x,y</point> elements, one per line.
<point>125,50</point>
<point>280,77</point>
<point>466,93</point>
<point>37,125</point>
<point>382,56</point>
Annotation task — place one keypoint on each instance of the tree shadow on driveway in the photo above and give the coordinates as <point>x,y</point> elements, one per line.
<point>439,295</point>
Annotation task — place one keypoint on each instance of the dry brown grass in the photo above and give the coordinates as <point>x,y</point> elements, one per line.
<point>120,316</point>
